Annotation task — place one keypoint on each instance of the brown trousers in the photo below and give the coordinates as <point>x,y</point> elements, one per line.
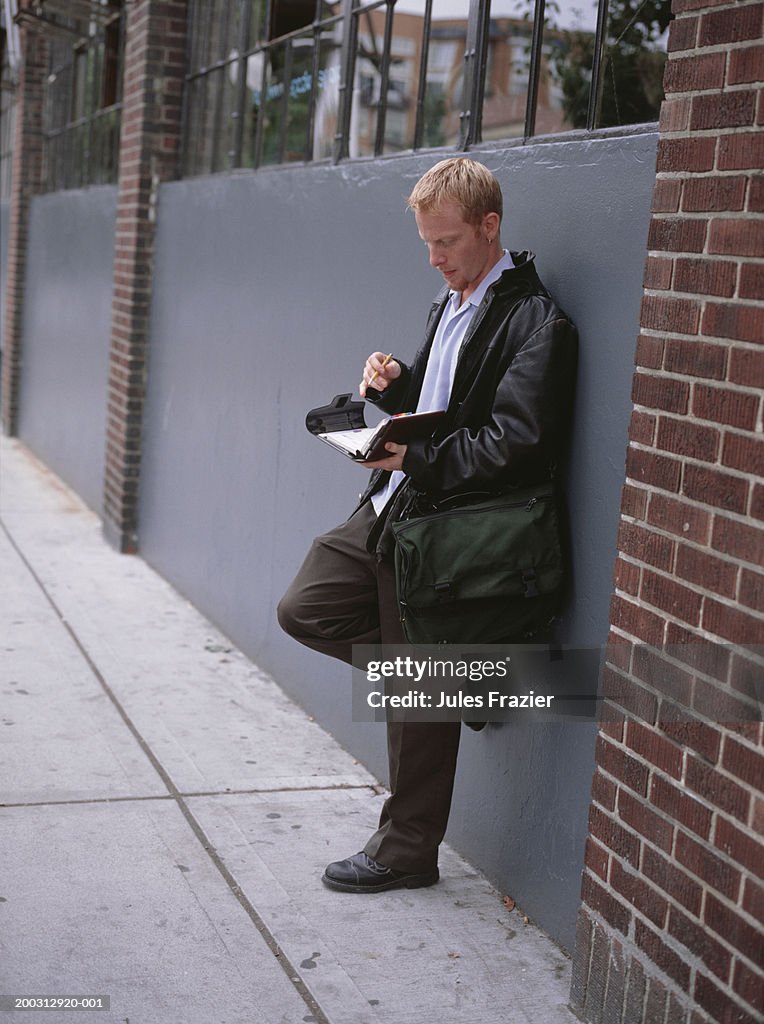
<point>342,596</point>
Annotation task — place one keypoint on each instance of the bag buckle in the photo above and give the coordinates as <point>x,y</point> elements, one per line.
<point>529,583</point>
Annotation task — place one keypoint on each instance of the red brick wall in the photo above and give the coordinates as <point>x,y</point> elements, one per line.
<point>149,142</point>
<point>669,929</point>
<point>26,178</point>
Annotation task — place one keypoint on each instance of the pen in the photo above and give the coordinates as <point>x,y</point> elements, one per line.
<point>385,361</point>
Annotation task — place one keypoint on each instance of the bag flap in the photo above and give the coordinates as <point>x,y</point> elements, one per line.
<point>486,551</point>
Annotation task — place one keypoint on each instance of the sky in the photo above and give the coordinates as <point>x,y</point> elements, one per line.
<point>572,13</point>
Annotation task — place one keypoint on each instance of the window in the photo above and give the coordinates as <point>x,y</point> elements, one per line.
<point>7,108</point>
<point>81,116</point>
<point>282,81</point>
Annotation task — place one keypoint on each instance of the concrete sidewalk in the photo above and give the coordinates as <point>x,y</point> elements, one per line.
<point>163,820</point>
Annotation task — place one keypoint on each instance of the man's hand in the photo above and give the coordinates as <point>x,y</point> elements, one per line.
<point>379,372</point>
<point>392,461</point>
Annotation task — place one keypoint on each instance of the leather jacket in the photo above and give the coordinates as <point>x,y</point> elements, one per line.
<point>510,407</point>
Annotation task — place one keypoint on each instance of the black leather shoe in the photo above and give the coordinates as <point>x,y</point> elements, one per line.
<point>360,873</point>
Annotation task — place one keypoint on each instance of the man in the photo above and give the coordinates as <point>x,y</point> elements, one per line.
<point>499,356</point>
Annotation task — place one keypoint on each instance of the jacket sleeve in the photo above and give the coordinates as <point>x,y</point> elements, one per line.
<point>522,436</point>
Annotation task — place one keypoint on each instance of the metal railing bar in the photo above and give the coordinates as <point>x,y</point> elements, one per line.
<point>534,71</point>
<point>52,133</point>
<point>245,16</point>
<point>262,47</point>
<point>595,87</point>
<point>422,83</point>
<point>287,80</point>
<point>314,72</point>
<point>379,141</point>
<point>260,127</point>
<point>347,74</point>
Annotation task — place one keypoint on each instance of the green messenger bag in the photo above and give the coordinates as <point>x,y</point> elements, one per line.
<point>475,569</point>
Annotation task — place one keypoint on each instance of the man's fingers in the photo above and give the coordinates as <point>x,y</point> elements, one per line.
<point>369,380</point>
<point>374,373</point>
<point>380,370</point>
<point>393,460</point>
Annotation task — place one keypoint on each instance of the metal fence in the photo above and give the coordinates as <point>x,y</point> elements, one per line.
<point>83,95</point>
<point>278,81</point>
<point>281,81</point>
<point>7,121</point>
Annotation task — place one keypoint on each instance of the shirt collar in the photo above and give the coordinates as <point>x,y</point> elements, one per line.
<point>505,263</point>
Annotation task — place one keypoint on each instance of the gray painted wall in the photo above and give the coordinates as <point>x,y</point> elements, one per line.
<point>67,323</point>
<point>270,290</point>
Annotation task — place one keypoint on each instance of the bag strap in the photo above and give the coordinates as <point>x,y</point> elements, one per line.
<point>426,503</point>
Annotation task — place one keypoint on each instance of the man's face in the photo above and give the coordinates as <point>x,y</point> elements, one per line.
<point>460,251</point>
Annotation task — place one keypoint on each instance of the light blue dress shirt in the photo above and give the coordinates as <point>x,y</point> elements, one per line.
<point>444,355</point>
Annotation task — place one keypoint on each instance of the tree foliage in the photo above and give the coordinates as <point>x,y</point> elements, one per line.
<point>632,65</point>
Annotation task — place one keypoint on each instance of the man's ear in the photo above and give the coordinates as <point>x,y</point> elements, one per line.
<point>491,224</point>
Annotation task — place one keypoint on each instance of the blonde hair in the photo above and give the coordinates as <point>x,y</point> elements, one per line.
<point>459,180</point>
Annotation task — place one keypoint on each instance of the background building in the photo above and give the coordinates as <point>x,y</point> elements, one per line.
<point>204,238</point>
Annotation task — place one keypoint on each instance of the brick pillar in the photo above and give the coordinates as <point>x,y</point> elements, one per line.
<point>149,144</point>
<point>669,931</point>
<point>26,181</point>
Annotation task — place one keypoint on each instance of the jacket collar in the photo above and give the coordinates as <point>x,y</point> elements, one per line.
<point>521,278</point>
